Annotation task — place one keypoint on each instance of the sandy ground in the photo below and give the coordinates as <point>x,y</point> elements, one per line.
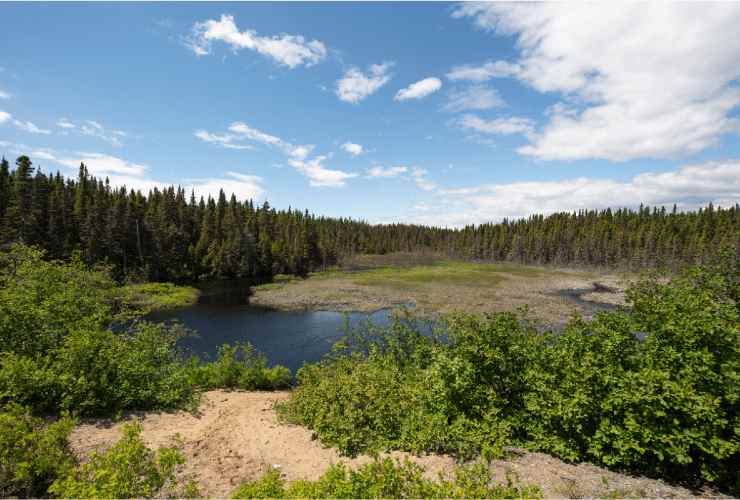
<point>540,293</point>
<point>235,436</point>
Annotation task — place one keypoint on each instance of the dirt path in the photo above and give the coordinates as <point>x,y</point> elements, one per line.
<point>235,436</point>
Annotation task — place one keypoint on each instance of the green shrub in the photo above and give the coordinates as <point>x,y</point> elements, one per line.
<point>95,372</point>
<point>240,366</point>
<point>127,470</point>
<point>42,301</point>
<point>386,479</point>
<point>32,454</point>
<point>653,389</point>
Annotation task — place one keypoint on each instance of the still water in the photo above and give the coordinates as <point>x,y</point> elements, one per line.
<point>286,338</point>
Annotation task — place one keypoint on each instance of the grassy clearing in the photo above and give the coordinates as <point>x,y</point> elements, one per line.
<point>432,285</point>
<point>150,297</point>
<point>444,273</point>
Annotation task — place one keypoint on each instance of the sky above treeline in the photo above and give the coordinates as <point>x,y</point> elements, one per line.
<point>434,113</point>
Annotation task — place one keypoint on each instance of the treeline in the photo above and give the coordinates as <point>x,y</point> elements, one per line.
<point>172,235</point>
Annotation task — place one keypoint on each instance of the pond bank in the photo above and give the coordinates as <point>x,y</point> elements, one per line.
<point>446,287</point>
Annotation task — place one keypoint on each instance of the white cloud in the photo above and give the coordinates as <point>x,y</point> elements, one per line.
<point>4,95</point>
<point>101,164</point>
<point>246,132</point>
<point>638,80</point>
<point>288,50</point>
<point>242,186</point>
<point>297,154</point>
<point>356,85</point>
<point>484,72</point>
<point>92,128</point>
<point>419,176</point>
<point>378,171</point>
<point>319,175</point>
<point>223,140</point>
<point>420,89</point>
<point>689,187</point>
<point>474,97</point>
<point>353,149</point>
<point>26,126</point>
<point>498,126</point>
<point>30,127</point>
<point>64,123</point>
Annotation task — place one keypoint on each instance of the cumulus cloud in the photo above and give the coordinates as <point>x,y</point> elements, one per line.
<point>378,171</point>
<point>5,117</point>
<point>665,87</point>
<point>355,85</point>
<point>475,97</point>
<point>420,89</point>
<point>353,149</point>
<point>688,187</point>
<point>4,95</point>
<point>287,50</point>
<point>498,126</point>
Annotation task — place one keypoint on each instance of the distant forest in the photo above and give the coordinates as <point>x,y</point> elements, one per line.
<point>172,235</point>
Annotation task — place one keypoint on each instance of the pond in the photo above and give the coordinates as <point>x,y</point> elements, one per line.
<point>287,338</point>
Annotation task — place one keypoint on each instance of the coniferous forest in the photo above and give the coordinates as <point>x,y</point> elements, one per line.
<point>173,235</point>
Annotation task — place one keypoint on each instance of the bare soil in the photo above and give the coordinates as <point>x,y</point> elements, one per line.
<point>235,436</point>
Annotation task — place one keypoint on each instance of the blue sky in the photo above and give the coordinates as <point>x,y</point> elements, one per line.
<point>438,113</point>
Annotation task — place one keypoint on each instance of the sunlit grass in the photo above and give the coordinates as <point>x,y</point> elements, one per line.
<point>445,273</point>
<point>149,297</point>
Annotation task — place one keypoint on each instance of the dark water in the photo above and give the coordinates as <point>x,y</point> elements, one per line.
<point>286,338</point>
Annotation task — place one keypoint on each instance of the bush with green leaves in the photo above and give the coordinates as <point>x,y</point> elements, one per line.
<point>386,479</point>
<point>652,389</point>
<point>41,301</point>
<point>240,366</point>
<point>127,470</point>
<point>97,372</point>
<point>32,452</point>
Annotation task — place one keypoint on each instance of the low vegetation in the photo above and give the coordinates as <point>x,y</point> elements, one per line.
<point>652,390</point>
<point>386,479</point>
<point>127,470</point>
<point>32,454</point>
<point>58,353</point>
<point>150,297</point>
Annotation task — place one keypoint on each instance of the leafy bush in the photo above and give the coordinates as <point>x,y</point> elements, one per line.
<point>95,372</point>
<point>42,301</point>
<point>385,479</point>
<point>653,389</point>
<point>32,454</point>
<point>127,470</point>
<point>240,367</point>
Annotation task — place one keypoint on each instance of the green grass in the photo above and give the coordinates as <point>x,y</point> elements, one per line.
<point>445,273</point>
<point>150,297</point>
